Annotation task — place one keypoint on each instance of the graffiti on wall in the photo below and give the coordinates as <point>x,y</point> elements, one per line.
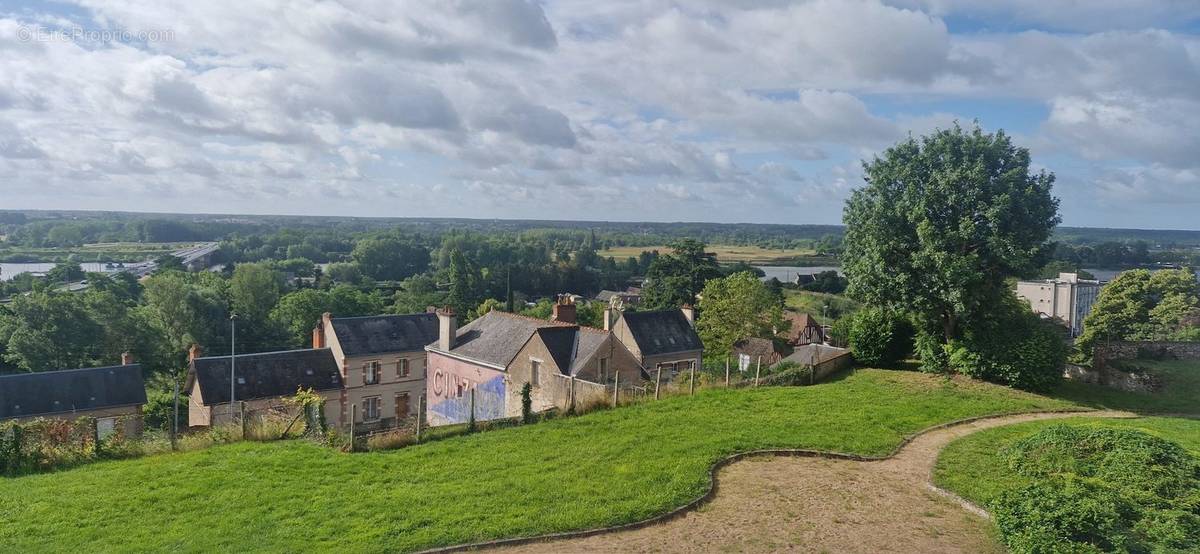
<point>449,393</point>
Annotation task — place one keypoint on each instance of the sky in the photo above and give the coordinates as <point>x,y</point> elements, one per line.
<point>648,110</point>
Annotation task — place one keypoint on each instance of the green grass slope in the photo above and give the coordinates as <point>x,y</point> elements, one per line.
<point>600,469</point>
<point>973,467</point>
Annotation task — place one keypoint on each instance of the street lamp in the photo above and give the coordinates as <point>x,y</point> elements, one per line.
<point>232,361</point>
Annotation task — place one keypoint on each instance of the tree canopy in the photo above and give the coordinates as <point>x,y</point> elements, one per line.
<point>941,223</point>
<point>1140,305</point>
<point>737,307</point>
<point>675,279</point>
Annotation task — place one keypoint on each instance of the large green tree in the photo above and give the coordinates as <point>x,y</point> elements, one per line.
<point>46,331</point>
<point>465,284</point>
<point>942,221</point>
<point>299,311</point>
<point>737,307</point>
<point>675,279</point>
<point>1140,305</point>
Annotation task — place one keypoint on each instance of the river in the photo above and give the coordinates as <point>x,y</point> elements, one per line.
<point>10,270</point>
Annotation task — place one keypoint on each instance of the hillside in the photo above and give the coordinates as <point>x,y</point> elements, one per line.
<point>574,473</point>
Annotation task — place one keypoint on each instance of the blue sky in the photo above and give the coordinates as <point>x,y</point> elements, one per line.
<point>710,110</point>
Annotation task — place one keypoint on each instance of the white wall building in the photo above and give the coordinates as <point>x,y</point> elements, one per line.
<point>1067,298</point>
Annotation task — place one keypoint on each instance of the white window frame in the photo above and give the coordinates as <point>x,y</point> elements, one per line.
<point>403,369</point>
<point>373,369</point>
<point>368,402</point>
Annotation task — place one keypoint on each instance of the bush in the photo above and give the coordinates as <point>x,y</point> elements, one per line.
<point>1014,348</point>
<point>879,337</point>
<point>1100,490</point>
<point>391,440</point>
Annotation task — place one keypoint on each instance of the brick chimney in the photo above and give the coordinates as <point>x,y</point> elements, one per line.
<point>126,358</point>
<point>690,313</point>
<point>564,309</point>
<point>608,318</point>
<point>447,328</point>
<point>318,336</point>
<point>194,352</point>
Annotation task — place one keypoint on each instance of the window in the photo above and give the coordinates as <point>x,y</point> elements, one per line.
<point>402,368</point>
<point>535,367</point>
<point>603,369</point>
<point>371,408</point>
<point>372,371</point>
<point>401,406</point>
<point>106,426</point>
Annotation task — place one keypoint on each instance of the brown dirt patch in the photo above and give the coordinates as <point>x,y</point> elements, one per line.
<point>782,504</point>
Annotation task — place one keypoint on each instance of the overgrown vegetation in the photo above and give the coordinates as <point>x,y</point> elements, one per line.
<point>1084,485</point>
<point>603,468</point>
<point>1140,305</point>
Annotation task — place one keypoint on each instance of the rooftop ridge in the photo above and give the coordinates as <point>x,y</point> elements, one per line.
<point>74,369</point>
<point>273,352</point>
<point>379,316</point>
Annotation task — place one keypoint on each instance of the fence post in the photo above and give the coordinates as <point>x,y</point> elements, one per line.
<point>96,435</point>
<point>726,371</point>
<point>757,371</point>
<point>175,419</point>
<point>657,381</point>
<point>692,380</point>
<point>616,386</point>
<point>471,422</point>
<point>243,410</point>
<point>420,414</point>
<point>353,416</point>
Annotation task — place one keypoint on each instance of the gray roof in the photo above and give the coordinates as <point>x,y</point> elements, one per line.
<point>560,341</point>
<point>385,333</point>
<point>266,375</point>
<point>662,332</point>
<point>815,354</point>
<point>52,392</point>
<point>496,337</point>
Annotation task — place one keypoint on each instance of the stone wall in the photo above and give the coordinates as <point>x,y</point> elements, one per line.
<point>1151,350</point>
<point>1114,378</point>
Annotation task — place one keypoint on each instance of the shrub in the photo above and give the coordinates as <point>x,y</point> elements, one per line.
<point>879,337</point>
<point>391,440</point>
<point>1100,490</point>
<point>1014,348</point>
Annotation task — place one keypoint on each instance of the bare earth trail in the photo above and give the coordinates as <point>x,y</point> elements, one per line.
<point>790,504</point>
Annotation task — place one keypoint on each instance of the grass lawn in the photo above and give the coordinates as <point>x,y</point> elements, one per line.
<point>725,253</point>
<point>813,303</point>
<point>1180,394</point>
<point>603,468</point>
<point>973,468</point>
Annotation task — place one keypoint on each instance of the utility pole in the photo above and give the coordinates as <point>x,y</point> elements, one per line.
<point>232,361</point>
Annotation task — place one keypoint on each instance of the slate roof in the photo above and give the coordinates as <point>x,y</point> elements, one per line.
<point>662,332</point>
<point>385,333</point>
<point>572,347</point>
<point>766,348</point>
<point>816,354</point>
<point>266,375</point>
<point>64,391</point>
<point>497,337</point>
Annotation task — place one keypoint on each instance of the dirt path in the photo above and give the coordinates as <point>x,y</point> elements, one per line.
<point>785,504</point>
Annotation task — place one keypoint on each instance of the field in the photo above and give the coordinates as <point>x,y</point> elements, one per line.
<point>814,303</point>
<point>724,253</point>
<point>599,469</point>
<point>972,468</point>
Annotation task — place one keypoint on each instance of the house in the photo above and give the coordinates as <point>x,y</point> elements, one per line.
<point>382,361</point>
<point>664,339</point>
<point>1068,299</point>
<point>264,382</point>
<point>751,351</point>
<point>804,330</point>
<point>824,360</point>
<point>481,368</point>
<point>114,395</point>
<point>628,298</point>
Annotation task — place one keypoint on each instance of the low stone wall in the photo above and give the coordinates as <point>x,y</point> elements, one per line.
<point>1151,350</point>
<point>1114,378</point>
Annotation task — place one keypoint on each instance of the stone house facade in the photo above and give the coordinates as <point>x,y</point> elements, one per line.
<point>664,339</point>
<point>264,382</point>
<point>383,364</point>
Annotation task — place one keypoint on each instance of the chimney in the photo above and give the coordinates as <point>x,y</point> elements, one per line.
<point>608,318</point>
<point>431,309</point>
<point>690,313</point>
<point>194,352</point>
<point>126,358</point>
<point>447,329</point>
<point>564,309</point>
<point>318,336</point>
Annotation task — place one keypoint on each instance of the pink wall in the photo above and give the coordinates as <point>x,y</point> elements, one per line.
<point>448,386</point>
